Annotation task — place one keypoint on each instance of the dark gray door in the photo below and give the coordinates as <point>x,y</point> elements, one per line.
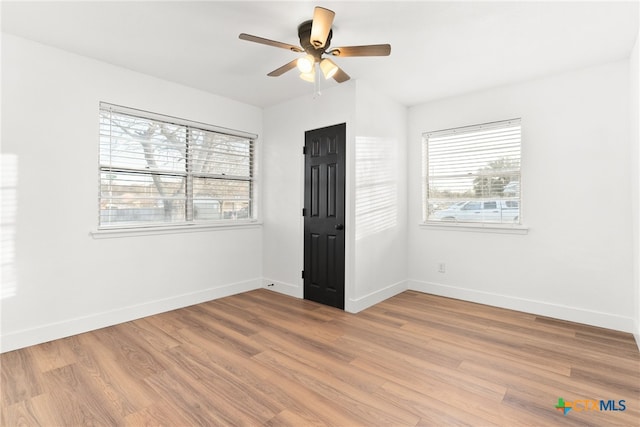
<point>324,210</point>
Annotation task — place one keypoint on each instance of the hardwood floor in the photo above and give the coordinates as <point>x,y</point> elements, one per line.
<point>261,358</point>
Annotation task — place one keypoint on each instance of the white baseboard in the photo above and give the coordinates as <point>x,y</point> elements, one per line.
<point>355,305</point>
<point>48,332</point>
<point>352,305</point>
<point>51,331</point>
<point>558,311</point>
<point>283,288</point>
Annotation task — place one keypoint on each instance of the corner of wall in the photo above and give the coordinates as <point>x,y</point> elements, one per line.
<point>78,325</point>
<point>356,305</point>
<point>634,77</point>
<point>526,305</point>
<point>282,288</point>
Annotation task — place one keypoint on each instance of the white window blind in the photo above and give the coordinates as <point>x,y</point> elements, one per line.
<point>157,170</point>
<point>472,173</point>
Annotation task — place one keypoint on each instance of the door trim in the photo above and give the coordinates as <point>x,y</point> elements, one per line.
<point>321,156</point>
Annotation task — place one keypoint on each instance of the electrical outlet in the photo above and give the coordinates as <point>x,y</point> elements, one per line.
<point>442,267</point>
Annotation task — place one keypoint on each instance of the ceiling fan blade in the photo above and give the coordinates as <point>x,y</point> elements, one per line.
<point>261,40</point>
<point>366,50</point>
<point>321,25</point>
<point>340,76</point>
<point>286,67</point>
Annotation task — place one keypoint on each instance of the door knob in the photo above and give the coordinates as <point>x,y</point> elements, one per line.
<point>339,227</point>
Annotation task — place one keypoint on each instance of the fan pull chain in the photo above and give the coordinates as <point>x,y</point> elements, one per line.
<point>316,82</point>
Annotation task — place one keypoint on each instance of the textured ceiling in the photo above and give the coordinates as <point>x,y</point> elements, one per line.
<point>439,49</point>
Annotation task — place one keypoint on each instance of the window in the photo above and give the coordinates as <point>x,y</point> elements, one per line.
<point>157,170</point>
<point>472,174</point>
<point>471,206</point>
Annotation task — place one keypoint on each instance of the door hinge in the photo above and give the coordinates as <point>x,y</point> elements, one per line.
<point>304,149</point>
<point>304,212</point>
<point>303,274</point>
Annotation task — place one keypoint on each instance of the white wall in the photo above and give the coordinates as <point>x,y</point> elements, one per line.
<point>375,266</point>
<point>62,281</point>
<point>634,83</point>
<point>575,263</point>
<point>380,198</point>
<point>283,178</point>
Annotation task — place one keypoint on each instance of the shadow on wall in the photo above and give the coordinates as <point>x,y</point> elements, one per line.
<point>8,215</point>
<point>376,185</point>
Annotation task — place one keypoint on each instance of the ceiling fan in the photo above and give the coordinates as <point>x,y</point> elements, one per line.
<point>315,39</point>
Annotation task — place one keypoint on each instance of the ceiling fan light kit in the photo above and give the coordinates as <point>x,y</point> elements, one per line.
<point>328,67</point>
<point>305,64</point>
<point>309,76</point>
<point>315,38</point>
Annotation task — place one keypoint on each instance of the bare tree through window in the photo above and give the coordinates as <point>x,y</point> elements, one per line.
<point>154,171</point>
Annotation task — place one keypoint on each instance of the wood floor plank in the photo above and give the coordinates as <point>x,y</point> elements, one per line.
<point>218,316</point>
<point>308,404</point>
<point>158,339</point>
<point>397,339</point>
<point>543,412</point>
<point>52,354</point>
<point>183,396</point>
<point>262,358</point>
<point>78,398</point>
<point>221,335</point>
<point>32,412</point>
<point>368,409</point>
<point>20,377</point>
<point>19,414</point>
<point>229,393</point>
<point>484,342</point>
<point>290,418</point>
<point>320,361</point>
<point>136,355</point>
<point>112,377</point>
<point>439,385</point>
<point>156,415</point>
<point>543,383</point>
<point>299,334</point>
<point>436,409</point>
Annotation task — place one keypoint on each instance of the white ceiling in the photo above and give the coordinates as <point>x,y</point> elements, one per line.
<point>438,49</point>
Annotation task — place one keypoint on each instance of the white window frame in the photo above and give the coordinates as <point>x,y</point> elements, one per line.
<point>189,223</point>
<point>430,217</point>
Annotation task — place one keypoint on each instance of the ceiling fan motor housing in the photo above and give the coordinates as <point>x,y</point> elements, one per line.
<point>315,41</point>
<point>304,33</point>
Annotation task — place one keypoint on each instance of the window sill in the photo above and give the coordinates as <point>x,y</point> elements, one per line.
<point>480,228</point>
<point>110,233</point>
